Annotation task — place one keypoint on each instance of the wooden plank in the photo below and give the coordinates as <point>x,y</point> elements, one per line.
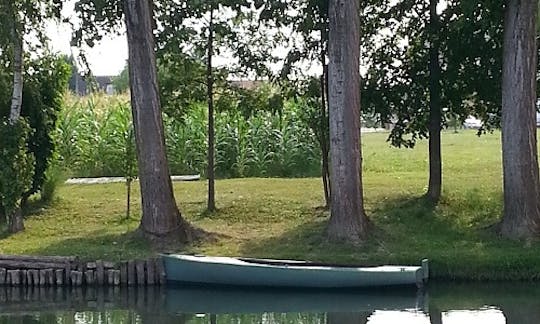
<point>19,264</point>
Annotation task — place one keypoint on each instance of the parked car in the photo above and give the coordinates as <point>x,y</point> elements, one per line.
<point>472,122</point>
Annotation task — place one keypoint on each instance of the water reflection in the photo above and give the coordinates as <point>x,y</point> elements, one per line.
<point>509,303</point>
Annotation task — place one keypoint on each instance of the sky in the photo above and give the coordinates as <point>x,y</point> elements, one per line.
<point>108,57</point>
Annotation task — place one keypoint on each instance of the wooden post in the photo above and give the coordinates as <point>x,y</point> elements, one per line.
<point>3,273</point>
<point>42,278</point>
<point>123,273</point>
<point>116,277</point>
<point>24,274</point>
<point>33,277</point>
<point>150,272</point>
<point>140,272</point>
<point>100,273</point>
<point>89,277</point>
<point>14,277</point>
<point>49,277</point>
<point>59,277</point>
<point>76,277</point>
<point>110,277</point>
<point>131,273</point>
<point>160,270</point>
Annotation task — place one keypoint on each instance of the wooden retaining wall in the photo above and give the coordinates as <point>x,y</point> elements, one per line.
<point>22,270</point>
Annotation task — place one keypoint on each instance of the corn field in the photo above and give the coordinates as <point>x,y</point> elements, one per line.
<point>95,138</point>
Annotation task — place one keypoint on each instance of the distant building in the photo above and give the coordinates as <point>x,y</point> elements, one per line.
<point>80,86</point>
<point>247,84</point>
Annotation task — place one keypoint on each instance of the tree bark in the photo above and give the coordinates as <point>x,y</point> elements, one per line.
<point>161,219</point>
<point>324,134</point>
<point>16,98</point>
<point>348,221</point>
<point>15,220</point>
<point>521,217</point>
<point>211,207</point>
<point>435,163</point>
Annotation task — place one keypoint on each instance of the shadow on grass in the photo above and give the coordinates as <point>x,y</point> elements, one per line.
<point>405,230</point>
<point>96,245</point>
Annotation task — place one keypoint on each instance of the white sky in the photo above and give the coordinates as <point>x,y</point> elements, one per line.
<point>108,57</point>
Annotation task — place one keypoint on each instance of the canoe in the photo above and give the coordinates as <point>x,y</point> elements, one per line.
<point>227,271</point>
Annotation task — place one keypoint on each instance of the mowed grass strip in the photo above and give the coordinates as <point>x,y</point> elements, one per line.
<point>282,218</point>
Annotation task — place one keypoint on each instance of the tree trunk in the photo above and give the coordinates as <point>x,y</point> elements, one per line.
<point>435,164</point>
<point>348,221</point>
<point>211,132</point>
<point>15,220</point>
<point>324,133</point>
<point>16,99</point>
<point>161,220</point>
<point>521,218</point>
<point>16,223</point>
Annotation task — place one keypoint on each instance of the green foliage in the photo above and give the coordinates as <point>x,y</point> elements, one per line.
<point>54,178</point>
<point>121,82</point>
<point>17,164</point>
<point>42,101</point>
<point>93,136</point>
<point>95,140</point>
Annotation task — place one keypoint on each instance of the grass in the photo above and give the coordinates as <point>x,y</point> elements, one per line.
<point>282,218</point>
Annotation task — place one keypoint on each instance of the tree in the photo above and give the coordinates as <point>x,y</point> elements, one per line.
<point>521,217</point>
<point>161,219</point>
<point>18,19</point>
<point>348,220</point>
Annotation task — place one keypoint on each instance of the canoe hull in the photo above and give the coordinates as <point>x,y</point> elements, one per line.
<point>235,272</point>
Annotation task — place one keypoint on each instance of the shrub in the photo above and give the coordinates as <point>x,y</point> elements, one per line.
<point>17,163</point>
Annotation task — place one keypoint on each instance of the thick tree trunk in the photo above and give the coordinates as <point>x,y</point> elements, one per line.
<point>521,218</point>
<point>435,163</point>
<point>16,223</point>
<point>324,134</point>
<point>211,207</point>
<point>161,219</point>
<point>348,221</point>
<point>16,99</point>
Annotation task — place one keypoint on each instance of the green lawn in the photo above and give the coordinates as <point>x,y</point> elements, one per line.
<point>282,218</point>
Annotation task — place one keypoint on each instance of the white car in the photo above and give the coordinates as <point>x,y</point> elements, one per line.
<point>472,122</point>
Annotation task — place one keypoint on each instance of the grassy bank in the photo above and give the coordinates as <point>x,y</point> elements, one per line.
<point>282,218</point>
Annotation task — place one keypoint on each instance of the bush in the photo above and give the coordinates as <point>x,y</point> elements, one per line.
<point>17,163</point>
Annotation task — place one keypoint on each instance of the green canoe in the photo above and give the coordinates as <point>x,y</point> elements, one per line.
<point>206,270</point>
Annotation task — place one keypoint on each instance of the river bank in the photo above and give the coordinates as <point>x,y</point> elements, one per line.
<point>283,218</point>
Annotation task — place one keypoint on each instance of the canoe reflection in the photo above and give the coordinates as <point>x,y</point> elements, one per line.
<point>237,300</point>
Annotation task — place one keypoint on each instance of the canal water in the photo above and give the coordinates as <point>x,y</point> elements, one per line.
<point>512,303</point>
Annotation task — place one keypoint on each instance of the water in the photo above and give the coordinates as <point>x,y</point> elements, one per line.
<point>512,303</point>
